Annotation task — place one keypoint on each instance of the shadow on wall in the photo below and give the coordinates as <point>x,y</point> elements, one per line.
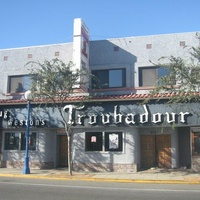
<point>104,52</point>
<point>103,161</point>
<point>87,161</point>
<point>106,55</point>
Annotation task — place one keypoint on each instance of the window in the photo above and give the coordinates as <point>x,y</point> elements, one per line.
<point>17,141</point>
<point>32,141</point>
<point>108,78</point>
<point>93,141</point>
<point>148,76</point>
<point>103,141</point>
<point>113,141</point>
<point>11,141</point>
<point>17,84</point>
<point>196,143</point>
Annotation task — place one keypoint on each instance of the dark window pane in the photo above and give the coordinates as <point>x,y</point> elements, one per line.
<point>32,141</point>
<point>11,141</point>
<point>23,141</point>
<point>100,79</point>
<point>108,78</point>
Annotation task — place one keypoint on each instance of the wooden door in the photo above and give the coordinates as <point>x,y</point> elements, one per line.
<point>63,151</point>
<point>163,149</point>
<point>147,151</point>
<point>155,151</point>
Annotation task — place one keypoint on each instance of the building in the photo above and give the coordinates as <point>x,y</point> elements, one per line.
<point>113,131</point>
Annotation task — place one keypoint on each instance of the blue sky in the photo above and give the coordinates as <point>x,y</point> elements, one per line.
<point>39,22</point>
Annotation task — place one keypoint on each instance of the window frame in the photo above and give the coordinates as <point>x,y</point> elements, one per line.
<point>24,83</point>
<point>117,145</point>
<point>104,83</point>
<point>159,72</point>
<point>11,140</point>
<point>20,144</point>
<point>91,140</point>
<point>141,79</point>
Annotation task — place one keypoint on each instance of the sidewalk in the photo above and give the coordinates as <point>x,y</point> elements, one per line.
<point>150,176</point>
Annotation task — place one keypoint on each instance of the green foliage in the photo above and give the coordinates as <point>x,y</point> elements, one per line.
<point>183,81</point>
<point>54,80</point>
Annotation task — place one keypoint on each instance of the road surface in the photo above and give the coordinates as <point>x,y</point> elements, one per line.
<point>43,189</point>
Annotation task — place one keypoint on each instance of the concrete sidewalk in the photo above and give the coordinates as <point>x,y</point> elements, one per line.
<point>151,176</point>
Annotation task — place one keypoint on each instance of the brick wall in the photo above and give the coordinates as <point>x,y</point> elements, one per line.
<point>103,167</point>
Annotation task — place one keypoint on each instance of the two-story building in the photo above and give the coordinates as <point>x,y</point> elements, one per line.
<point>113,131</point>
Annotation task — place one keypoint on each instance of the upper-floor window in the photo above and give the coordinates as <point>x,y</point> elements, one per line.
<point>112,78</point>
<point>148,76</point>
<point>20,83</point>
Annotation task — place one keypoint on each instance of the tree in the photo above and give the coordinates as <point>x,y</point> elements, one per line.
<point>183,77</point>
<point>54,82</point>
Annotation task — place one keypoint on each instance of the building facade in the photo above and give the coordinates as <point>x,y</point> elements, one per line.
<point>115,130</point>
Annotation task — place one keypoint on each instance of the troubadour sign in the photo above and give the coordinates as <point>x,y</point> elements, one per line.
<point>117,117</point>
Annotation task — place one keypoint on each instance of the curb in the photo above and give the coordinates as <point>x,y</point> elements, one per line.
<point>82,178</point>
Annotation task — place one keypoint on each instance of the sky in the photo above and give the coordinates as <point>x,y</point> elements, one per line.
<point>41,22</point>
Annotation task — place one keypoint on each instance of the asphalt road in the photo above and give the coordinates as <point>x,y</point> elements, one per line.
<point>42,189</point>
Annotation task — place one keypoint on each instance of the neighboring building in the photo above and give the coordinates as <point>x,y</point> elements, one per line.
<point>114,131</point>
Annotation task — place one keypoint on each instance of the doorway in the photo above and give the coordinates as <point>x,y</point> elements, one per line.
<point>184,147</point>
<point>155,151</point>
<point>63,151</point>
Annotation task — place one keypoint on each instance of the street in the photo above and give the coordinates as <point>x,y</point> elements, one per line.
<point>43,189</point>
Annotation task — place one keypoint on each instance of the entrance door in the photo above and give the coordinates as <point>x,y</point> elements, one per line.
<point>63,151</point>
<point>147,151</point>
<point>155,151</point>
<point>163,148</point>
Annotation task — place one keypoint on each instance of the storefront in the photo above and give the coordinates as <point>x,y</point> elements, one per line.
<point>120,135</point>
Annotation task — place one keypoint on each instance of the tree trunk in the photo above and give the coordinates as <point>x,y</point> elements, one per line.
<point>68,133</point>
<point>69,155</point>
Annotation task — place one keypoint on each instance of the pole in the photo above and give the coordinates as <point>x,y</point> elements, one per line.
<point>26,169</point>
